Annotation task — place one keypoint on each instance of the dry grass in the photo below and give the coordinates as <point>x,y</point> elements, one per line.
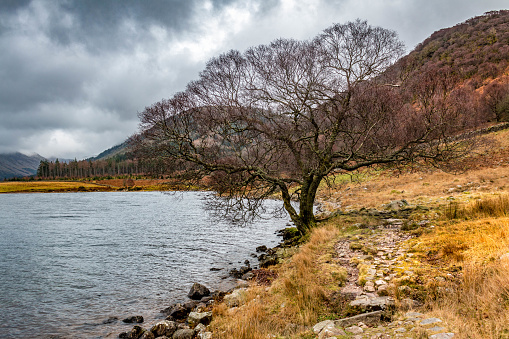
<point>424,188</point>
<point>487,171</point>
<point>96,185</point>
<point>479,241</point>
<point>474,299</point>
<point>296,299</point>
<point>251,321</point>
<point>478,306</point>
<point>496,206</point>
<point>48,186</point>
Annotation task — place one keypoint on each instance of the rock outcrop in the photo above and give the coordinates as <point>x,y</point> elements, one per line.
<point>198,291</point>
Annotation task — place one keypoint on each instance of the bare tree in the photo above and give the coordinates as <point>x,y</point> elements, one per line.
<point>280,118</point>
<point>495,94</point>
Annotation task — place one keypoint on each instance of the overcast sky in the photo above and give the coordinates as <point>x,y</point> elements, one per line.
<point>74,73</point>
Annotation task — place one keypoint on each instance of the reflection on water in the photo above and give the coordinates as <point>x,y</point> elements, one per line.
<point>71,261</point>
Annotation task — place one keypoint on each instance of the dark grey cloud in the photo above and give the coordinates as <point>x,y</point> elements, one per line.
<point>75,73</point>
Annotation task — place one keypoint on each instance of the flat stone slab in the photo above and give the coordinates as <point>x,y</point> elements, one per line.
<point>430,321</point>
<point>372,303</point>
<point>442,336</point>
<point>370,318</point>
<point>320,326</point>
<point>330,331</point>
<point>413,315</point>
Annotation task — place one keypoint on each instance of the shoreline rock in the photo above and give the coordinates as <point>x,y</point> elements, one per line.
<point>138,319</point>
<point>198,291</point>
<point>190,319</point>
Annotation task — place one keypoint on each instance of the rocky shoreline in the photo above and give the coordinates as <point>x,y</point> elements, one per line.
<point>188,320</point>
<point>378,268</point>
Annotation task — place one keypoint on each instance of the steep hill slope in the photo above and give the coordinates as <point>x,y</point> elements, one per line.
<point>118,152</point>
<point>18,165</point>
<point>476,49</point>
<point>475,56</point>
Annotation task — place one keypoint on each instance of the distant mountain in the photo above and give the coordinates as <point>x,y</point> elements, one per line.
<point>14,165</point>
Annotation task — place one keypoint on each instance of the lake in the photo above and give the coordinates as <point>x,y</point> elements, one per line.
<point>70,261</point>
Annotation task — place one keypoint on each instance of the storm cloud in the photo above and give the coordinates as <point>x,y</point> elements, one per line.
<point>74,73</point>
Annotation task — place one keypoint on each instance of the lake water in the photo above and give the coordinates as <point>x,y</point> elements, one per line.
<point>70,261</point>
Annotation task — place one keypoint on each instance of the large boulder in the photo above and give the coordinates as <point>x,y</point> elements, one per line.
<point>236,298</point>
<point>183,334</point>
<point>266,260</point>
<point>196,318</point>
<point>330,331</point>
<point>164,328</point>
<point>320,326</point>
<point>198,291</point>
<point>396,205</point>
<point>262,248</point>
<point>176,312</point>
<point>370,304</point>
<point>135,333</point>
<point>370,318</point>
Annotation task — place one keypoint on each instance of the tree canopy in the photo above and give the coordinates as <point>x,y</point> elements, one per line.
<point>279,118</point>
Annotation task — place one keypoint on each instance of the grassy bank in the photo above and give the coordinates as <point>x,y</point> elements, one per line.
<point>461,276</point>
<point>294,300</point>
<point>454,261</point>
<point>106,185</point>
<point>51,186</point>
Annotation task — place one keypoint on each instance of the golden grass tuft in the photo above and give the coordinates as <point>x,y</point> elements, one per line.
<point>481,240</point>
<point>492,207</point>
<point>485,207</point>
<point>296,299</point>
<point>478,306</point>
<point>475,298</point>
<point>250,321</point>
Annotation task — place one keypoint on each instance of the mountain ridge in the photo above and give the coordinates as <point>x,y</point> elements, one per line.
<point>17,164</point>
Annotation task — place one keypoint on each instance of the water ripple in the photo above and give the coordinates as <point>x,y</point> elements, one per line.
<point>72,261</point>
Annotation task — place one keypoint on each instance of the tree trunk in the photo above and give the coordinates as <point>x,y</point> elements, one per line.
<point>305,219</point>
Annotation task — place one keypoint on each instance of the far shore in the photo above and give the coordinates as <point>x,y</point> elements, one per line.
<point>107,185</point>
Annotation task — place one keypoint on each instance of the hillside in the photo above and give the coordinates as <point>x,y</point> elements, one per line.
<point>476,49</point>
<point>475,57</point>
<point>18,165</point>
<point>117,151</point>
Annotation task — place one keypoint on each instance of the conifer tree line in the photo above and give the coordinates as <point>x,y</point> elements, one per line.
<point>118,166</point>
